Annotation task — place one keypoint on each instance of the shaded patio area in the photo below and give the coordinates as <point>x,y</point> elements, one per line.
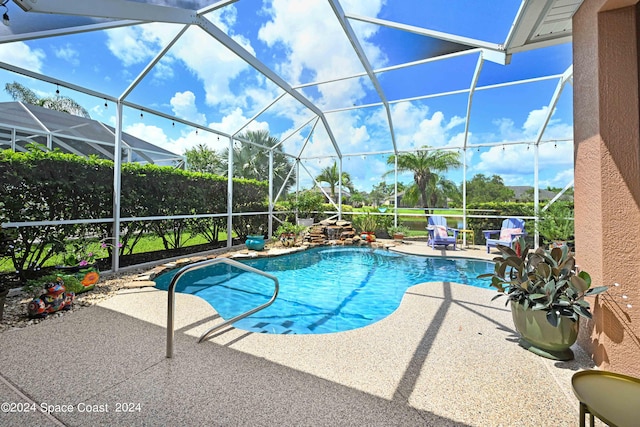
<point>447,356</point>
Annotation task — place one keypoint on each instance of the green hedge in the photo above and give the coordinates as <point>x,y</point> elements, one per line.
<point>52,186</point>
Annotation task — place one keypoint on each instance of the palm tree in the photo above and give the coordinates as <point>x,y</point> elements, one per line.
<point>331,176</point>
<point>59,103</point>
<point>252,162</point>
<point>425,164</point>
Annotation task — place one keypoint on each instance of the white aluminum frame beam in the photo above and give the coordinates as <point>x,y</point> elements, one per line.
<point>255,116</point>
<point>429,33</point>
<point>241,52</point>
<point>474,82</point>
<point>152,64</point>
<point>351,35</point>
<point>112,9</point>
<point>34,35</point>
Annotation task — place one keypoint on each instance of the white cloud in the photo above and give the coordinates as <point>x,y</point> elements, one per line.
<point>216,68</point>
<point>560,179</point>
<point>129,46</point>
<point>515,163</point>
<point>68,54</point>
<point>184,106</point>
<point>295,26</point>
<point>21,55</point>
<point>163,69</point>
<point>234,121</point>
<point>149,133</point>
<point>534,121</point>
<point>415,128</point>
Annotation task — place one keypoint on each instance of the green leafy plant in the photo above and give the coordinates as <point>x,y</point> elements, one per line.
<point>365,223</point>
<point>288,228</point>
<point>371,222</point>
<point>308,203</point>
<point>399,229</point>
<point>543,280</point>
<point>79,252</point>
<point>556,223</point>
<point>35,287</point>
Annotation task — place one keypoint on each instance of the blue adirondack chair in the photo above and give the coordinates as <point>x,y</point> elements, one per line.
<point>512,228</point>
<point>440,234</point>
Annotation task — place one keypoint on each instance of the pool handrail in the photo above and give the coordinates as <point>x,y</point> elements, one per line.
<point>195,266</point>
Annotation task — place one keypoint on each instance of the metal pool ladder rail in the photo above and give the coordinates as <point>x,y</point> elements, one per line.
<point>195,266</point>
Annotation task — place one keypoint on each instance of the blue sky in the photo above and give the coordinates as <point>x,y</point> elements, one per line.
<point>202,81</point>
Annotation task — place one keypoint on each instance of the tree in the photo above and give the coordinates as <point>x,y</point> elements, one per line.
<point>59,103</point>
<point>384,190</point>
<point>443,191</point>
<point>483,189</point>
<point>203,159</point>
<point>424,164</point>
<point>358,198</point>
<point>252,162</point>
<point>331,176</point>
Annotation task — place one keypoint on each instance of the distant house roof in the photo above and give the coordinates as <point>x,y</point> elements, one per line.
<point>521,190</point>
<point>73,134</point>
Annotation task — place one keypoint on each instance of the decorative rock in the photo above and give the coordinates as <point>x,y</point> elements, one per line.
<point>330,232</point>
<point>139,284</point>
<point>182,262</point>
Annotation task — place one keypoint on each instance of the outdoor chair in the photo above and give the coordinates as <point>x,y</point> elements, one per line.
<point>512,228</point>
<point>439,232</point>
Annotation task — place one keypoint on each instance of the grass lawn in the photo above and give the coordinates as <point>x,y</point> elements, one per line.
<point>149,243</point>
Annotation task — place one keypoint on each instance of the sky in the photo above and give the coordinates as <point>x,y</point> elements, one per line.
<point>201,81</point>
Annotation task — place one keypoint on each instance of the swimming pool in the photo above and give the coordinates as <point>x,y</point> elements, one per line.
<point>322,290</point>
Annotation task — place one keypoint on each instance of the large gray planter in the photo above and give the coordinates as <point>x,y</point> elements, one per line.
<point>540,337</point>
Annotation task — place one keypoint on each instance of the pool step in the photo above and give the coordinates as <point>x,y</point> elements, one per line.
<point>283,328</point>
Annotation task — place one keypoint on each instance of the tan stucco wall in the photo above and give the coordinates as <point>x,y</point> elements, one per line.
<point>607,176</point>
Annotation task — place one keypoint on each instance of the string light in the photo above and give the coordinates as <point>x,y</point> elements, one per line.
<point>625,298</point>
<point>57,90</point>
<point>105,104</point>
<point>5,16</point>
<point>141,114</point>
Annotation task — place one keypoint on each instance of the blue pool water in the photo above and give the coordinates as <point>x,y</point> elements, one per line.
<point>323,289</point>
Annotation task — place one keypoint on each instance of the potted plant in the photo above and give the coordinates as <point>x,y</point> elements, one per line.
<point>254,242</point>
<point>546,292</point>
<point>80,260</point>
<point>367,224</point>
<point>398,232</point>
<point>306,204</point>
<point>556,225</point>
<point>289,232</point>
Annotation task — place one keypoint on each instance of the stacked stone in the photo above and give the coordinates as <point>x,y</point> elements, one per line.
<point>331,231</point>
<point>315,235</point>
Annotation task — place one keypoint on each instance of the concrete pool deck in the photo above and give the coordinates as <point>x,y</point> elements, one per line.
<point>447,357</point>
